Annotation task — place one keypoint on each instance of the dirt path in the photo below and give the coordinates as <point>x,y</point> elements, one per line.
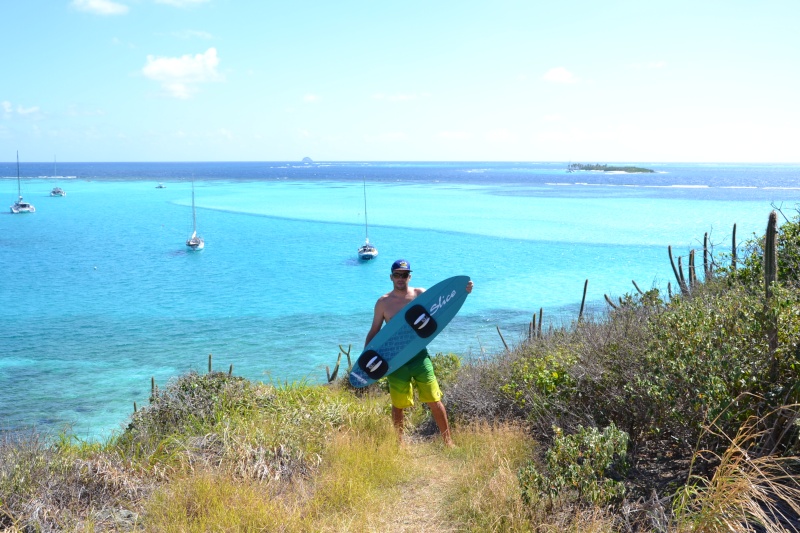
<point>422,500</point>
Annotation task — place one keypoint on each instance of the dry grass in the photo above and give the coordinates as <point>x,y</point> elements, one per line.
<point>359,467</point>
<point>746,493</point>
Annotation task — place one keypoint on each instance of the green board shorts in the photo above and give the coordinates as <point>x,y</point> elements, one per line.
<point>419,370</point>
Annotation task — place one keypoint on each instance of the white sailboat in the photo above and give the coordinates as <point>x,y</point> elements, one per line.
<point>57,191</point>
<point>21,206</point>
<point>195,242</point>
<point>367,251</point>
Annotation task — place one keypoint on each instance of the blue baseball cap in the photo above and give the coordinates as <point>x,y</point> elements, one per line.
<point>401,264</point>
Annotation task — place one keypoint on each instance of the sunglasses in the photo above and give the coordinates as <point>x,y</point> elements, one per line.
<point>401,275</point>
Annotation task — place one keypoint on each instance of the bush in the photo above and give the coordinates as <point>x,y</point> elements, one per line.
<point>579,467</point>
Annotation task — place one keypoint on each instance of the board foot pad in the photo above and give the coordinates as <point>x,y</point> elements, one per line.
<point>373,365</point>
<point>420,321</point>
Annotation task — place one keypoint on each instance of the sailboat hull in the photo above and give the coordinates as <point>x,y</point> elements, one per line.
<point>22,208</point>
<point>367,252</point>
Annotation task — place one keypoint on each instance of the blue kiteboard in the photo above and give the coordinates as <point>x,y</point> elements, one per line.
<point>409,331</point>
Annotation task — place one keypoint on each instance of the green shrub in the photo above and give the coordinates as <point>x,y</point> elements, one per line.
<point>578,467</point>
<point>538,376</point>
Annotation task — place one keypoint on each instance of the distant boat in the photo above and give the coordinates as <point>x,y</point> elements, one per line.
<point>367,251</point>
<point>195,242</point>
<point>57,191</point>
<point>21,206</point>
<point>161,186</point>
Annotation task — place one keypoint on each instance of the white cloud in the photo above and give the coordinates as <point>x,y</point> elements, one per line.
<point>311,98</point>
<point>100,7</point>
<point>559,75</point>
<point>181,75</point>
<point>27,110</point>
<point>182,3</point>
<point>8,109</point>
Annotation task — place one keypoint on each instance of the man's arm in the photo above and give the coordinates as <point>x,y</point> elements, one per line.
<point>377,321</point>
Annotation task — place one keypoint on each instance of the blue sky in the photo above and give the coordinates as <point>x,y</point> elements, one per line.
<point>494,80</point>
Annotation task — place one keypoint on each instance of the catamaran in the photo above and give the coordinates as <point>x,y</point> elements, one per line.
<point>21,206</point>
<point>57,191</point>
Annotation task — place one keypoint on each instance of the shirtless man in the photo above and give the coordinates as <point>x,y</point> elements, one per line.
<point>419,368</point>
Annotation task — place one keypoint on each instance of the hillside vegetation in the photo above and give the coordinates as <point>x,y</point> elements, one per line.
<point>669,412</point>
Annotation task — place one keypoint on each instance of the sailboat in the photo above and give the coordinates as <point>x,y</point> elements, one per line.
<point>20,206</point>
<point>367,251</point>
<point>195,242</point>
<point>57,191</point>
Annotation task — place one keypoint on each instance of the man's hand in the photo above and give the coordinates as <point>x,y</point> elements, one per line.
<point>469,286</point>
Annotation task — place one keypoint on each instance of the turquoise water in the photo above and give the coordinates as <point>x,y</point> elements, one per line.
<point>101,294</point>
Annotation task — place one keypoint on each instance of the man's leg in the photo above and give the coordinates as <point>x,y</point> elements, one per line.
<point>440,416</point>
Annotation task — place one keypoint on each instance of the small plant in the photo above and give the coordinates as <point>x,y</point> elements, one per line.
<point>579,464</point>
<point>539,376</point>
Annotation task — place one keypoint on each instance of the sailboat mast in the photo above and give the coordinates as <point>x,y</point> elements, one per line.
<point>194,216</point>
<point>366,224</point>
<point>19,187</point>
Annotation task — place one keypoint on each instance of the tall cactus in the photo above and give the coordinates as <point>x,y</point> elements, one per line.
<point>583,300</point>
<point>770,254</point>
<point>707,273</point>
<point>770,277</point>
<point>678,276</point>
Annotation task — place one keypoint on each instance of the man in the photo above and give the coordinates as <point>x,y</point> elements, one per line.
<point>419,369</point>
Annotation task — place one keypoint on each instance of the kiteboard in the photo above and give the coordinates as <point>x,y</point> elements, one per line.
<point>409,331</point>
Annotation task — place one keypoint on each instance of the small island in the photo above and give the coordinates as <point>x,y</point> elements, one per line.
<point>572,167</point>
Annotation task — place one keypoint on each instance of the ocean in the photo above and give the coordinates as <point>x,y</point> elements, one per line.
<point>101,295</point>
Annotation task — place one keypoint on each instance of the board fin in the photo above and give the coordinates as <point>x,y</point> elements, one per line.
<point>421,321</point>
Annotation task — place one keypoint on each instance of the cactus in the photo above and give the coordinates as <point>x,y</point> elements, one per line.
<point>209,363</point>
<point>539,333</point>
<point>771,277</point>
<point>678,275</point>
<point>532,328</point>
<point>733,248</point>
<point>583,300</point>
<point>706,263</point>
<point>502,339</point>
<point>692,273</point>
<point>609,302</point>
<point>770,254</point>
<point>342,351</point>
<point>637,287</point>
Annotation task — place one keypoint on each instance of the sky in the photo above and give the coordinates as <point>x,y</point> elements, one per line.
<point>607,81</point>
